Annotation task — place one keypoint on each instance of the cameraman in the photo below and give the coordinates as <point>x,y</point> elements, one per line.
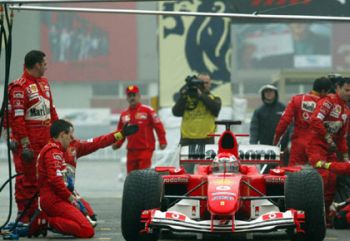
<point>199,109</point>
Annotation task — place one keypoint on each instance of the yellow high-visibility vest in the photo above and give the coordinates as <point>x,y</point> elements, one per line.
<point>198,123</point>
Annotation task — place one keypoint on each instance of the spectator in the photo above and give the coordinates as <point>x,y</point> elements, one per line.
<point>31,115</point>
<point>328,129</point>
<point>66,212</point>
<point>199,109</point>
<point>266,118</point>
<point>299,111</point>
<point>141,145</point>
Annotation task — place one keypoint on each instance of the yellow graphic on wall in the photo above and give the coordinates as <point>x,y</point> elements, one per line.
<point>192,45</point>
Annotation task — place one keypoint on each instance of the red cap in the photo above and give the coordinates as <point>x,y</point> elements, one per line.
<point>132,89</point>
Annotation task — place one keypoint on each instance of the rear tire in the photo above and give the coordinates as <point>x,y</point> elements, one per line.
<point>143,190</point>
<point>304,191</point>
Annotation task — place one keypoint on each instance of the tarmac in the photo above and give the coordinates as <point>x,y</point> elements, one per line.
<point>100,182</point>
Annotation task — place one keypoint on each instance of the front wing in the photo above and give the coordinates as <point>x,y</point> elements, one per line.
<point>178,222</point>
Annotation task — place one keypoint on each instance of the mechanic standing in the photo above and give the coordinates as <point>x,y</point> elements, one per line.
<point>199,109</point>
<point>31,115</point>
<point>328,130</point>
<point>266,117</point>
<point>66,213</point>
<point>299,111</point>
<point>140,146</point>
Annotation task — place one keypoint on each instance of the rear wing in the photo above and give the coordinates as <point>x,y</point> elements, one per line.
<point>248,154</point>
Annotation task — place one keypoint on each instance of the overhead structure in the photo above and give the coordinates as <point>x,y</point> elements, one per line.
<point>73,1</point>
<point>256,15</point>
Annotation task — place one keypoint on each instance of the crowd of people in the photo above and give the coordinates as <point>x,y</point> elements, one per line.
<point>75,39</point>
<point>46,152</point>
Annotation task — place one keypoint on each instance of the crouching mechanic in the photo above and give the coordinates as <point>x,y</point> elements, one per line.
<point>65,212</point>
<point>340,212</point>
<point>79,148</point>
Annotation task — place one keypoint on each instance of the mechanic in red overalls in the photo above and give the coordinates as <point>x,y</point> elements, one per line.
<point>79,148</point>
<point>299,111</point>
<point>141,145</point>
<point>328,130</point>
<point>339,211</point>
<point>58,201</point>
<point>31,115</point>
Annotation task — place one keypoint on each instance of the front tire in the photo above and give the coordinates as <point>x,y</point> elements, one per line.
<point>304,192</point>
<point>143,190</point>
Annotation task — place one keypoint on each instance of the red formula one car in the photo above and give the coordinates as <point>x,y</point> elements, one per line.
<point>226,195</point>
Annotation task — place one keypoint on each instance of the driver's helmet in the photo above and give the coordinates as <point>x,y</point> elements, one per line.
<point>225,163</point>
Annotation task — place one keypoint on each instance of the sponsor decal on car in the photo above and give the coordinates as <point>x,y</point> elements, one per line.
<point>223,181</point>
<point>176,180</point>
<point>223,188</point>
<point>224,222</point>
<point>194,211</point>
<point>175,216</point>
<point>218,198</point>
<point>224,193</point>
<point>274,179</point>
<point>271,216</point>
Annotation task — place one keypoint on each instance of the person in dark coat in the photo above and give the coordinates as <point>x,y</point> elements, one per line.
<point>266,118</point>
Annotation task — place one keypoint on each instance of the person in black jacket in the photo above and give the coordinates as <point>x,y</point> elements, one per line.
<point>266,118</point>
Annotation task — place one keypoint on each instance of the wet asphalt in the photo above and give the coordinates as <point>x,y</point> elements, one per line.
<point>101,183</point>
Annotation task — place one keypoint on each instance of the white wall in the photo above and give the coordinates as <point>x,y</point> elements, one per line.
<point>71,95</point>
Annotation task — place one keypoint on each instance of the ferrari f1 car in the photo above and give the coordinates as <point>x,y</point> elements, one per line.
<point>226,195</point>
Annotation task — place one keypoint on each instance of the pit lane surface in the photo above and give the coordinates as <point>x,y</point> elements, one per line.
<point>99,183</point>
